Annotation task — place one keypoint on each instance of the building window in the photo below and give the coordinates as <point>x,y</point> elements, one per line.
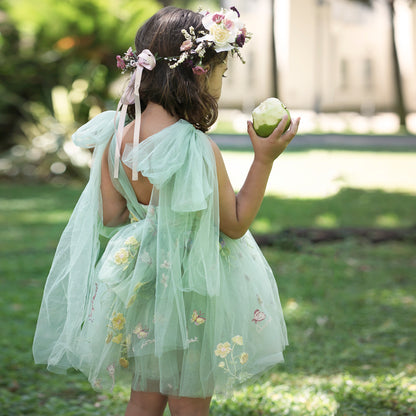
<point>368,74</point>
<point>344,75</point>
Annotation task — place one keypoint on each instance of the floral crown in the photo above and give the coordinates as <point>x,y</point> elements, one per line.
<point>223,32</point>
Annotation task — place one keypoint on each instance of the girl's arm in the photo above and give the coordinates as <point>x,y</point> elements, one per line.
<point>115,210</point>
<point>237,212</point>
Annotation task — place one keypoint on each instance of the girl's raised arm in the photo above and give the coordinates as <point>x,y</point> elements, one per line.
<point>237,212</point>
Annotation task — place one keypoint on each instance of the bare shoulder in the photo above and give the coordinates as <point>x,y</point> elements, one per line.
<point>216,150</point>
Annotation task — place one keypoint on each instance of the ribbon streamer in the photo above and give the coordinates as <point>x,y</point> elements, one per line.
<point>131,95</point>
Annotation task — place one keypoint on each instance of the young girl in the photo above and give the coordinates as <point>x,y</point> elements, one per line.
<point>156,280</point>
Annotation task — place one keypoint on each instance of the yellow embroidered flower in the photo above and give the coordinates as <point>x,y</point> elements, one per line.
<point>121,256</point>
<point>109,337</point>
<point>118,339</point>
<point>138,286</point>
<point>243,358</point>
<point>132,300</point>
<point>124,363</point>
<point>238,339</point>
<point>118,321</point>
<point>223,349</point>
<point>128,340</point>
<point>133,218</point>
<point>131,241</point>
<point>221,364</point>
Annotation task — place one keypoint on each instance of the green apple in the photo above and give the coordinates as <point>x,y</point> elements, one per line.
<point>268,115</point>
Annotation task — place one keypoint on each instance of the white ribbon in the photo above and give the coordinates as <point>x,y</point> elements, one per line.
<point>131,95</point>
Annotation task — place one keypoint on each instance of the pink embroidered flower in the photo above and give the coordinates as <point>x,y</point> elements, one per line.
<point>217,18</point>
<point>258,316</point>
<point>186,45</point>
<point>140,331</point>
<point>198,70</point>
<point>111,369</point>
<point>120,63</point>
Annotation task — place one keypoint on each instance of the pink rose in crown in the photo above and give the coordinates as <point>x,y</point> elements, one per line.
<point>120,63</point>
<point>217,18</point>
<point>129,53</point>
<point>186,45</point>
<point>228,24</point>
<point>198,70</point>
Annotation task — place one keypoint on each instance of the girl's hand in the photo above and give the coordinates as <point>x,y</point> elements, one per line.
<point>267,149</point>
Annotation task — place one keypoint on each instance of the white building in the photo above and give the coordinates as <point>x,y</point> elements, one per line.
<point>332,55</point>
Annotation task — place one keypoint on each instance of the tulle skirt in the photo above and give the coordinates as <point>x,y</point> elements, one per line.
<point>202,345</point>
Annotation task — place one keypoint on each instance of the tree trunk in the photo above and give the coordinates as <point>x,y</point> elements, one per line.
<point>275,88</point>
<point>401,109</point>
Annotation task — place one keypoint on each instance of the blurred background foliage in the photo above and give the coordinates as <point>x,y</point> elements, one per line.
<point>58,65</point>
<point>57,70</point>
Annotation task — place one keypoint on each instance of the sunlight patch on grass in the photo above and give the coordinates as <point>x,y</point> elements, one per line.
<point>392,297</point>
<point>261,225</point>
<point>388,220</point>
<point>295,310</point>
<point>344,394</point>
<point>322,173</point>
<point>326,220</point>
<point>21,204</point>
<point>51,217</point>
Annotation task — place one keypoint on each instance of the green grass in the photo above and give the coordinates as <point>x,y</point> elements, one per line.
<point>349,207</point>
<point>350,309</point>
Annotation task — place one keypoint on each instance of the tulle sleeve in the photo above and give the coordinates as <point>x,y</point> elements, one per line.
<point>97,131</point>
<point>68,285</point>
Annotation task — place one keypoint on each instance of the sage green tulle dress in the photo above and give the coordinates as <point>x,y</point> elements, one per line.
<point>166,302</point>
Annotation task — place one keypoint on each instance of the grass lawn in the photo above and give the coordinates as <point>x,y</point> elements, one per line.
<point>350,309</point>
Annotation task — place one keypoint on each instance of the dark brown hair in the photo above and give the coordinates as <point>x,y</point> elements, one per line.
<point>179,91</point>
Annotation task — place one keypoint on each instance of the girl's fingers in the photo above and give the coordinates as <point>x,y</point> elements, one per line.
<point>280,128</point>
<point>251,132</point>
<point>278,132</point>
<point>293,129</point>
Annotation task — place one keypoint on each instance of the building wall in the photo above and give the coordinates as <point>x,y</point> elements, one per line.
<point>250,83</point>
<point>332,55</point>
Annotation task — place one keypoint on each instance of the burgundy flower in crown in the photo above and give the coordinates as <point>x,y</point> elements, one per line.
<point>235,10</point>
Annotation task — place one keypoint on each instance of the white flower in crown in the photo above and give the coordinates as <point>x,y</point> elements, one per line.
<point>223,27</point>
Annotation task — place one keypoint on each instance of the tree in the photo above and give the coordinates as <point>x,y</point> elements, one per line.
<point>400,103</point>
<point>48,43</point>
<point>275,89</point>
